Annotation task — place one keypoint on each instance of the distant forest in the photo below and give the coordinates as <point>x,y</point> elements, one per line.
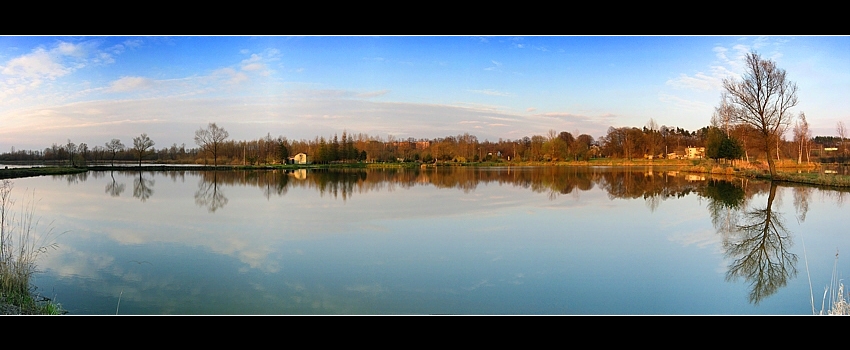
<point>649,141</point>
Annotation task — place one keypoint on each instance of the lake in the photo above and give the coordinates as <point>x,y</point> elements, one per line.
<point>448,240</point>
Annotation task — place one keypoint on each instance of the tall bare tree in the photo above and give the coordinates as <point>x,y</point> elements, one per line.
<point>763,98</point>
<point>842,133</point>
<point>114,147</point>
<point>210,139</point>
<point>141,145</point>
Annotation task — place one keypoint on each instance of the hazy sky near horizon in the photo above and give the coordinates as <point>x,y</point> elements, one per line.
<point>92,89</point>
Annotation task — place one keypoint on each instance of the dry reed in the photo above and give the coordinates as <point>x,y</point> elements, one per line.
<point>20,246</point>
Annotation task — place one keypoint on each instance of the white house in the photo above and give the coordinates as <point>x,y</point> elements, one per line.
<point>299,158</point>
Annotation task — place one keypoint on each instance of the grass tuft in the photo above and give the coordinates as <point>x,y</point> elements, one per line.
<point>834,300</point>
<point>20,247</point>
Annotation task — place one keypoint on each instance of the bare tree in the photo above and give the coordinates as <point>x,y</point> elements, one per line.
<point>653,137</point>
<point>114,147</point>
<point>763,98</point>
<point>210,139</point>
<point>83,150</point>
<point>801,136</point>
<point>71,148</point>
<point>724,114</point>
<point>141,145</point>
<point>842,133</point>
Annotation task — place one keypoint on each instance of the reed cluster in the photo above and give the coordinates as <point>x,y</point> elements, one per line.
<point>20,247</point>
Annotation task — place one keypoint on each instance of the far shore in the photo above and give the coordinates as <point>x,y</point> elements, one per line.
<point>789,171</point>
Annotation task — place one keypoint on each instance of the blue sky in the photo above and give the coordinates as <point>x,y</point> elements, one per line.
<point>93,89</point>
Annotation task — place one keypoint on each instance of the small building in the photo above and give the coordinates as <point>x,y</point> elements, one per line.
<point>695,152</point>
<point>299,158</point>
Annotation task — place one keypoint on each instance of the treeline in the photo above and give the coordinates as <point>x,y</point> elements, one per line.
<point>650,141</point>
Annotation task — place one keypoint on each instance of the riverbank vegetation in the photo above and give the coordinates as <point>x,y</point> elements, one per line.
<point>38,171</point>
<point>21,244</point>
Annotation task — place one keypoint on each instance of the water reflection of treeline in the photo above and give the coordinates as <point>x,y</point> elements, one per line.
<point>627,182</point>
<point>752,232</point>
<point>653,185</point>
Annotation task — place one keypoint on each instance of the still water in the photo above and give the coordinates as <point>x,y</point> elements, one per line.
<point>455,240</point>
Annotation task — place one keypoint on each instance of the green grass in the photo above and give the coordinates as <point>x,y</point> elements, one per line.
<point>815,179</point>
<point>28,172</point>
<point>20,247</point>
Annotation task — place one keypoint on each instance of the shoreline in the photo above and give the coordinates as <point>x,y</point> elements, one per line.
<point>787,171</point>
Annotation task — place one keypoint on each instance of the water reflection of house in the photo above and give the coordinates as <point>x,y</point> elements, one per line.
<point>692,177</point>
<point>300,174</point>
<point>299,158</point>
<point>695,152</point>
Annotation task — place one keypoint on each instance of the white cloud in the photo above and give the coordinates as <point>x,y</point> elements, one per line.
<point>36,65</point>
<point>680,103</point>
<point>129,84</point>
<point>37,70</point>
<point>699,81</point>
<point>230,75</point>
<point>373,93</point>
<point>720,53</point>
<point>496,65</point>
<point>272,54</point>
<point>253,66</point>
<point>70,49</point>
<point>253,63</point>
<point>259,62</point>
<point>726,67</point>
<point>491,92</point>
<point>530,109</point>
<point>732,59</point>
<point>133,43</point>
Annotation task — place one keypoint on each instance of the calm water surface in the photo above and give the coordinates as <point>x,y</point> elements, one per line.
<point>551,240</point>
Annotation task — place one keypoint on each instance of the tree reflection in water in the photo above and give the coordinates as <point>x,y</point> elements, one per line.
<point>759,246</point>
<point>142,187</point>
<point>208,194</point>
<point>114,188</point>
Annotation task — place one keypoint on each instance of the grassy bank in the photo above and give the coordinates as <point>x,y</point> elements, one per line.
<point>786,172</point>
<point>20,246</point>
<point>832,180</point>
<point>41,171</point>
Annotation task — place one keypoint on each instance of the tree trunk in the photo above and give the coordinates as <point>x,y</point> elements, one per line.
<point>808,154</point>
<point>770,163</point>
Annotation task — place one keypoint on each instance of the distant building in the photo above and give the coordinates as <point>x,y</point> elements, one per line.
<point>299,158</point>
<point>695,152</point>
